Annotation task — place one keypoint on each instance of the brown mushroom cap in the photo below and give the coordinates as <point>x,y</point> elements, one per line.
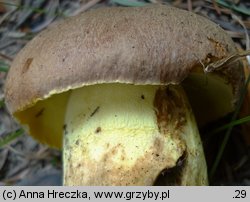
<point>143,45</point>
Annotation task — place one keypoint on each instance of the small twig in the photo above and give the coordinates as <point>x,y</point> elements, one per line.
<point>42,153</point>
<point>233,34</point>
<point>6,57</point>
<point>235,17</point>
<point>190,6</point>
<point>10,148</point>
<point>85,7</point>
<point>155,1</point>
<point>219,64</point>
<point>19,174</point>
<point>8,14</point>
<point>216,7</point>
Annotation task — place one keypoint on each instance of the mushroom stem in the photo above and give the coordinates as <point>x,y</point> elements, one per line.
<point>122,134</point>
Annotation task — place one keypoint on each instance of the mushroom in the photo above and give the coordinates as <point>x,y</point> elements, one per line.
<point>121,90</point>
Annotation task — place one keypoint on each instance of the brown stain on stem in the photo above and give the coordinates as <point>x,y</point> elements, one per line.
<point>107,172</point>
<point>169,108</point>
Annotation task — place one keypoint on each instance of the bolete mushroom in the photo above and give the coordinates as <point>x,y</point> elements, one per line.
<point>112,83</point>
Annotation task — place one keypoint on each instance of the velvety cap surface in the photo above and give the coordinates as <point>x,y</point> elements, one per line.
<point>143,45</point>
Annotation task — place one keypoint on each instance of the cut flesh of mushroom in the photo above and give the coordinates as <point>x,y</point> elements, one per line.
<point>123,134</point>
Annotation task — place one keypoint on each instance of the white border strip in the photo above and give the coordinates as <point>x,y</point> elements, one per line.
<point>109,194</point>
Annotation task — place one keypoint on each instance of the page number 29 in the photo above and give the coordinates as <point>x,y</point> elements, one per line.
<point>240,193</point>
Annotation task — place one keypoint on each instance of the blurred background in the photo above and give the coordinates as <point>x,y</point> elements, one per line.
<point>23,161</point>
